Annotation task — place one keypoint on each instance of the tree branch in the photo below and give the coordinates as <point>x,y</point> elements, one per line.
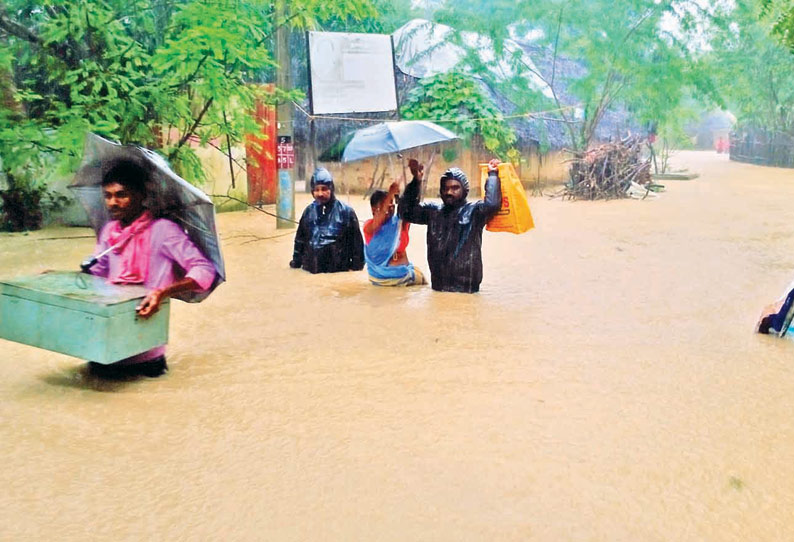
<point>568,122</point>
<point>15,29</point>
<point>187,81</point>
<point>192,129</point>
<point>20,31</point>
<point>52,149</point>
<point>229,147</point>
<point>556,43</point>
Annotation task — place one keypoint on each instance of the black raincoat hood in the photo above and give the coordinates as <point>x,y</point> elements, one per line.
<point>457,174</point>
<point>323,176</point>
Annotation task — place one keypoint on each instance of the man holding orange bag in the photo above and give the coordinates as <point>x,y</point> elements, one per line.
<point>454,228</point>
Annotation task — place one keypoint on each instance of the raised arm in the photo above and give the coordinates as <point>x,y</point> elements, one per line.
<point>410,209</point>
<point>379,213</point>
<point>492,200</point>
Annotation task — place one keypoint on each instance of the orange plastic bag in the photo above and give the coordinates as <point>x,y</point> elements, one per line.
<point>514,216</point>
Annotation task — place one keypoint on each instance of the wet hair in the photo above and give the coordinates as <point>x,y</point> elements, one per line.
<point>377,197</point>
<point>128,174</point>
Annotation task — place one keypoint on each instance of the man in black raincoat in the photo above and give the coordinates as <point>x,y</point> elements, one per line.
<point>328,237</point>
<point>454,229</point>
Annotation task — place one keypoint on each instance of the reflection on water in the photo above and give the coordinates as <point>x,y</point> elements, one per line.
<point>604,385</point>
<point>78,377</point>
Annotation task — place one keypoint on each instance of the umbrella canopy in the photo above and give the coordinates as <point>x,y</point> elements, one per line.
<point>167,196</point>
<point>395,136</point>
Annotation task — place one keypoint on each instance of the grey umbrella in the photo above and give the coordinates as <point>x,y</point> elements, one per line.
<point>395,136</point>
<point>168,196</point>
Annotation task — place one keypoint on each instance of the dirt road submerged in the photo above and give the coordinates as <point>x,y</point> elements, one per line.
<point>604,385</point>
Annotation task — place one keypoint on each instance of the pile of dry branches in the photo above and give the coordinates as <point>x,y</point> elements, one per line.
<point>608,171</point>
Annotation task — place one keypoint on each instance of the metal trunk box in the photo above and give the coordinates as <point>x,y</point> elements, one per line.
<point>79,315</point>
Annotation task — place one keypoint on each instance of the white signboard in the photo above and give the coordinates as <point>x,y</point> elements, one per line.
<point>351,73</point>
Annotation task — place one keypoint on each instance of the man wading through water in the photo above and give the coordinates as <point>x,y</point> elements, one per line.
<point>328,239</point>
<point>454,229</point>
<point>151,251</point>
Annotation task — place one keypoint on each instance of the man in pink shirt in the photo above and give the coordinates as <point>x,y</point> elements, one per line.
<point>151,251</point>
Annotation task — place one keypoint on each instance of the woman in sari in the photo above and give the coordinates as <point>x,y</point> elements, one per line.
<point>386,238</point>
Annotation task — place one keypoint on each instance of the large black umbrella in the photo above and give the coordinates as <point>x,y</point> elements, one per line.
<point>167,196</point>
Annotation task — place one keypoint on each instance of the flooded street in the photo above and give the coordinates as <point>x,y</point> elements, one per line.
<point>604,385</point>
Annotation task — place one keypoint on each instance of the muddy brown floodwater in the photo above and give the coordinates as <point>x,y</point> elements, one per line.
<point>605,385</point>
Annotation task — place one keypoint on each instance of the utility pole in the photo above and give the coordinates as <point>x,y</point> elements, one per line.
<point>285,150</point>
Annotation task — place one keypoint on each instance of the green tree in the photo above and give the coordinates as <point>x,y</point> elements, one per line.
<point>460,104</point>
<point>628,55</point>
<point>386,17</point>
<point>754,69</point>
<point>137,71</point>
<point>781,14</point>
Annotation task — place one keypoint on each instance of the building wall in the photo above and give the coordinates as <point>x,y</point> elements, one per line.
<point>536,170</point>
<point>539,170</point>
<point>219,177</point>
